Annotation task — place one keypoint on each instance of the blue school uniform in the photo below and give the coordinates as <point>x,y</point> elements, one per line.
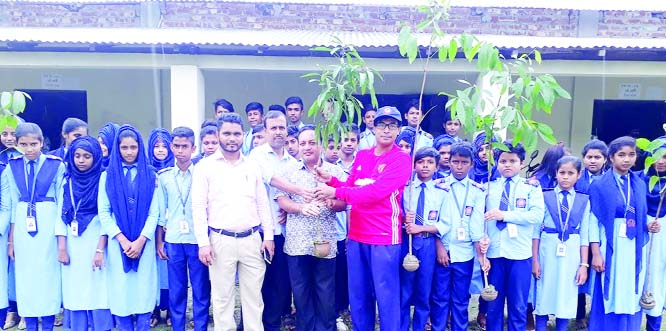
<point>182,249</point>
<point>510,250</point>
<point>8,154</point>
<point>657,258</point>
<point>617,290</point>
<point>415,287</point>
<point>4,260</point>
<point>462,215</point>
<point>585,180</point>
<point>367,139</point>
<point>556,291</point>
<point>36,251</point>
<point>60,152</point>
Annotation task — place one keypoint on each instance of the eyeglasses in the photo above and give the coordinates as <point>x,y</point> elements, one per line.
<point>383,126</point>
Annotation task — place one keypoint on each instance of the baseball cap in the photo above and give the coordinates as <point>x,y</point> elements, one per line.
<point>388,111</point>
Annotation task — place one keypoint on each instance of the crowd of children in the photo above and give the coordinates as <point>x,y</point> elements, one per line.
<point>112,216</point>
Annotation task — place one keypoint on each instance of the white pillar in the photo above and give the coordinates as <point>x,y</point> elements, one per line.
<point>494,98</point>
<point>188,103</point>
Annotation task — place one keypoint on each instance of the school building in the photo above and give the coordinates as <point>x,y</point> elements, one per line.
<point>163,63</point>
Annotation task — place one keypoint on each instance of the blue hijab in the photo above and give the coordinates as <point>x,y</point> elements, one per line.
<point>84,184</point>
<point>480,171</point>
<point>156,136</point>
<point>108,134</point>
<point>407,134</point>
<point>120,193</point>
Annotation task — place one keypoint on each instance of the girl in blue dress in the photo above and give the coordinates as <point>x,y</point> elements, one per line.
<point>105,139</point>
<point>161,157</point>
<point>30,196</point>
<point>72,128</point>
<point>560,247</point>
<point>618,202</point>
<point>81,242</point>
<point>128,211</point>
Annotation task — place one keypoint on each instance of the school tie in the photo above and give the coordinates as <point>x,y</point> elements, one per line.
<point>128,177</point>
<point>504,202</point>
<point>31,178</point>
<point>564,208</point>
<point>631,209</point>
<point>420,205</point>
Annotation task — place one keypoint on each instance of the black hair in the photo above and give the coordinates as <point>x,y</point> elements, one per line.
<point>26,128</point>
<point>292,131</point>
<point>519,150</point>
<point>277,108</point>
<point>424,152</point>
<point>368,107</point>
<point>73,123</point>
<point>208,130</point>
<point>183,132</point>
<point>353,128</point>
<point>463,149</point>
<point>618,143</point>
<point>224,103</point>
<point>124,134</point>
<point>229,118</point>
<point>548,165</point>
<point>274,114</point>
<point>307,127</point>
<point>254,106</point>
<point>208,123</point>
<point>294,99</point>
<point>258,128</point>
<point>411,103</point>
<point>596,144</point>
<point>569,159</point>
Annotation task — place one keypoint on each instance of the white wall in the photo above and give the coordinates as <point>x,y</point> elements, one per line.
<point>118,95</point>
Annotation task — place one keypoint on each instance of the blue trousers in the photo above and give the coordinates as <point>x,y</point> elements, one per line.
<point>341,291</point>
<point>512,279</point>
<point>184,260</point>
<point>541,323</point>
<point>276,290</point>
<point>450,295</point>
<point>32,323</point>
<point>374,282</point>
<point>313,283</point>
<point>653,323</point>
<point>128,323</point>
<point>415,286</point>
<point>83,320</point>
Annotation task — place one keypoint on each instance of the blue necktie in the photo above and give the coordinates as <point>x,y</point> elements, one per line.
<point>128,177</point>
<point>564,209</point>
<point>420,205</point>
<point>31,178</point>
<point>504,202</point>
<point>631,209</point>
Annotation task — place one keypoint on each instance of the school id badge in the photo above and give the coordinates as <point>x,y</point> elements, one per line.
<point>31,224</point>
<point>622,231</point>
<point>462,234</point>
<point>512,229</point>
<point>184,226</point>
<point>74,226</point>
<point>561,249</point>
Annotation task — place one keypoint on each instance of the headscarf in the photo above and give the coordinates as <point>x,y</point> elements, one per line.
<point>108,134</point>
<point>156,136</point>
<point>443,139</point>
<point>407,134</point>
<point>84,184</point>
<point>119,193</point>
<point>480,170</point>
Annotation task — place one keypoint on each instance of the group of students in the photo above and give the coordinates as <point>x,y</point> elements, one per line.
<point>97,217</point>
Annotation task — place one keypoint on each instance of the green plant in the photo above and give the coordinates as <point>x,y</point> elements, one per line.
<point>339,83</point>
<point>12,104</point>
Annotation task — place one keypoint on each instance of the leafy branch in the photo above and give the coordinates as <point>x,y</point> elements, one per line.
<point>11,104</point>
<point>339,83</point>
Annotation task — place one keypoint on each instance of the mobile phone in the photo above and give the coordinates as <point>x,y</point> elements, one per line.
<point>267,256</point>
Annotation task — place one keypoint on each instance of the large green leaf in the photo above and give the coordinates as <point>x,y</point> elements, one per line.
<point>18,102</point>
<point>6,100</point>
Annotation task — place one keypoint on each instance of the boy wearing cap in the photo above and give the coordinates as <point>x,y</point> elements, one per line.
<point>374,190</point>
<point>422,202</point>
<point>463,238</point>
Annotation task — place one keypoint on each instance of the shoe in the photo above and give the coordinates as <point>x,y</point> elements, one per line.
<point>11,320</point>
<point>58,320</point>
<point>340,324</point>
<point>581,325</point>
<point>21,325</point>
<point>481,321</point>
<point>154,320</point>
<point>190,324</point>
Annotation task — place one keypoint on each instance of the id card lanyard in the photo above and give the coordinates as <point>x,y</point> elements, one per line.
<point>461,211</point>
<point>627,198</point>
<point>74,225</point>
<point>563,225</point>
<point>183,202</point>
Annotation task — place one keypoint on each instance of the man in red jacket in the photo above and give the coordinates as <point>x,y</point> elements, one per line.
<point>374,191</point>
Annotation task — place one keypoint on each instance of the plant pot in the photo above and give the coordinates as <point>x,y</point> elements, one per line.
<point>410,263</point>
<point>322,248</point>
<point>489,293</point>
<point>647,301</point>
